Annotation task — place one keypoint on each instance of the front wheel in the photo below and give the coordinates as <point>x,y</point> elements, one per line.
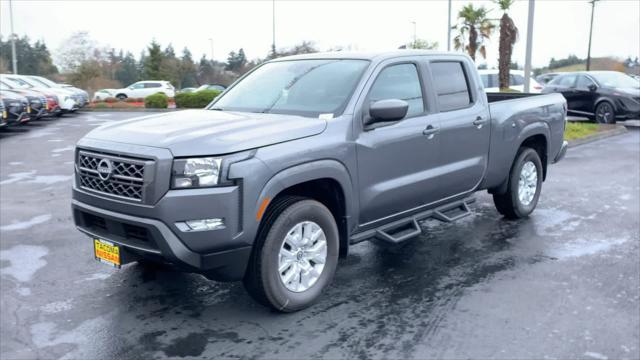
<point>605,114</point>
<point>121,97</point>
<point>295,255</point>
<point>523,189</point>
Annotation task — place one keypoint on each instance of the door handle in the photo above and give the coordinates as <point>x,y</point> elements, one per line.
<point>479,121</point>
<point>430,131</point>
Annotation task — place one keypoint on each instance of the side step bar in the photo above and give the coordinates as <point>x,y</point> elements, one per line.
<point>409,227</point>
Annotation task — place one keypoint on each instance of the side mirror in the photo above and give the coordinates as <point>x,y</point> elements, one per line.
<point>387,110</point>
<point>593,87</point>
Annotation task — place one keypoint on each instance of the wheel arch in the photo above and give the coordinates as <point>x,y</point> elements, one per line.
<point>326,181</point>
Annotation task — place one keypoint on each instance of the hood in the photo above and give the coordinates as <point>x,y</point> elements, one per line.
<point>209,132</point>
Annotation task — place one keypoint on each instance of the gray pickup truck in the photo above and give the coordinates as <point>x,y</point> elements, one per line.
<point>305,156</point>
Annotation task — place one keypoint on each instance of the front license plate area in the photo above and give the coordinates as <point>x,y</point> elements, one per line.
<point>107,252</point>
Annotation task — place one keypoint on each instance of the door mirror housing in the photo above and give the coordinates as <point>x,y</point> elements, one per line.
<point>387,110</point>
<point>592,87</point>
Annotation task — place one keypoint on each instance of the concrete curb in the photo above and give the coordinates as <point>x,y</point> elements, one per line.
<point>615,130</point>
<point>127,110</point>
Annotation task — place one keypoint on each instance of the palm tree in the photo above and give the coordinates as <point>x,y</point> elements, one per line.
<point>475,23</point>
<point>508,37</point>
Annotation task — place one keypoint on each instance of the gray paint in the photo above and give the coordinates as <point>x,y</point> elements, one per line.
<point>386,170</point>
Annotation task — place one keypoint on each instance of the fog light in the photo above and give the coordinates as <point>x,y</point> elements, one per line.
<point>201,225</point>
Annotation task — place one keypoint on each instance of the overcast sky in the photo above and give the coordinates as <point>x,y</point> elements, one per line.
<point>561,27</point>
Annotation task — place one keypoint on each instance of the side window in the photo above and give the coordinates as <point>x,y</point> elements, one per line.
<point>137,86</point>
<point>151,85</point>
<point>517,80</point>
<point>399,82</point>
<point>584,82</point>
<point>567,80</point>
<point>450,83</point>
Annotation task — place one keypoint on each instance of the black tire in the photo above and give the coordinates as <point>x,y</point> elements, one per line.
<point>262,279</point>
<point>605,113</point>
<point>509,204</point>
<point>121,97</point>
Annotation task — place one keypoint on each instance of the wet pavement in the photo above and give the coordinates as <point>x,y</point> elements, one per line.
<point>564,283</point>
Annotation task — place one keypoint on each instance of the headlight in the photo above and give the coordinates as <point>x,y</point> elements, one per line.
<point>196,172</point>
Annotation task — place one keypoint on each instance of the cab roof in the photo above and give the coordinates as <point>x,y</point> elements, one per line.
<point>358,55</point>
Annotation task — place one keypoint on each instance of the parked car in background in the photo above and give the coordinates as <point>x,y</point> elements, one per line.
<point>211,87</point>
<point>187,90</point>
<point>103,94</point>
<point>81,96</point>
<point>603,96</point>
<point>142,89</point>
<point>38,105</point>
<point>546,78</point>
<point>66,99</point>
<point>16,107</point>
<point>516,81</point>
<point>3,114</point>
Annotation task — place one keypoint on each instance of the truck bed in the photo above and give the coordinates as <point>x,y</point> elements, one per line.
<point>501,96</point>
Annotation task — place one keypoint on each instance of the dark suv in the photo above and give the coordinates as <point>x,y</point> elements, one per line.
<point>603,96</point>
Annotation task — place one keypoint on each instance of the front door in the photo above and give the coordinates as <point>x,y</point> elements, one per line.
<point>465,128</point>
<point>396,161</point>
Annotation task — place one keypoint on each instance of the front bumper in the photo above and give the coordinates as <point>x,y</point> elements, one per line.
<point>150,231</point>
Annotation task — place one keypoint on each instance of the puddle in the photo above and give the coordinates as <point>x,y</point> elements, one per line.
<point>28,177</point>
<point>581,247</point>
<point>66,148</point>
<point>15,177</point>
<point>24,261</point>
<point>21,225</point>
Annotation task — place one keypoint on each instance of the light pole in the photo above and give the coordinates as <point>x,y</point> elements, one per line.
<point>593,7</point>
<point>449,28</point>
<point>211,42</point>
<point>527,57</point>
<point>273,29</point>
<point>14,59</point>
<point>415,37</point>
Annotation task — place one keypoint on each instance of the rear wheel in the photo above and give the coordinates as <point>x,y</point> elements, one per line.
<point>605,113</point>
<point>523,189</point>
<point>295,255</point>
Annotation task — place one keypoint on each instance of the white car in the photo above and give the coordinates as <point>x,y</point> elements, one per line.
<point>81,96</point>
<point>67,99</point>
<point>516,81</point>
<point>103,94</point>
<point>142,89</point>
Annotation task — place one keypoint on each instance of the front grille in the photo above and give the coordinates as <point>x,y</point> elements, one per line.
<point>125,180</point>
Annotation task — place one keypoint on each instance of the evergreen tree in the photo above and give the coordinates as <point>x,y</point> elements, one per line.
<point>188,71</point>
<point>127,72</point>
<point>153,62</point>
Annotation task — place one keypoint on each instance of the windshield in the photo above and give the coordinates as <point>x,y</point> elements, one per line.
<point>297,87</point>
<point>37,82</point>
<point>616,80</point>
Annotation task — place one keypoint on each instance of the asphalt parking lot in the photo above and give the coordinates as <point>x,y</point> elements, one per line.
<point>564,283</point>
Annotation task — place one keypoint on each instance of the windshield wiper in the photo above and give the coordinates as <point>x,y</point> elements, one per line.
<point>217,109</point>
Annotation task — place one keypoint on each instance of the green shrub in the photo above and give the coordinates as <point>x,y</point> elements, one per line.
<point>196,100</point>
<point>156,101</point>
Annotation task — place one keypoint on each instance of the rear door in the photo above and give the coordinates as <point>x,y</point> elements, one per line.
<point>397,161</point>
<point>464,127</point>
<point>152,88</point>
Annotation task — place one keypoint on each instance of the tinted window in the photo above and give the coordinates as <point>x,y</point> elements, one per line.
<point>517,80</point>
<point>584,82</point>
<point>399,82</point>
<point>152,85</point>
<point>451,86</point>
<point>567,80</point>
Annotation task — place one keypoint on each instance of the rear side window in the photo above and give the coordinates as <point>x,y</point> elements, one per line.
<point>152,85</point>
<point>567,80</point>
<point>517,80</point>
<point>399,82</point>
<point>450,83</point>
